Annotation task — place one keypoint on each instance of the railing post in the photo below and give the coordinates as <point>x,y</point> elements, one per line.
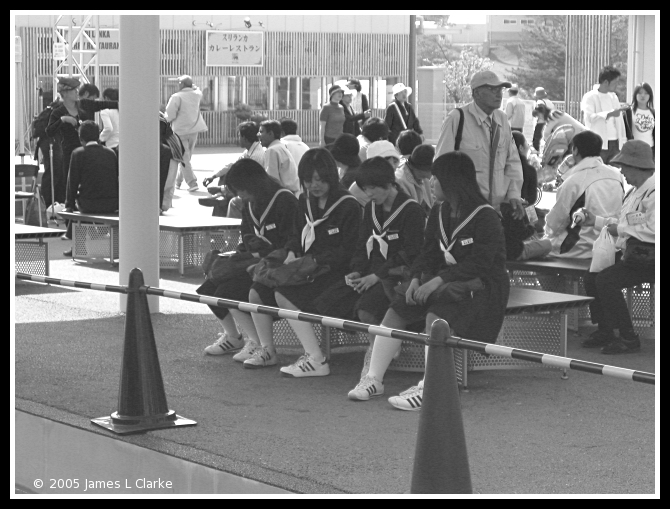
<point>441,458</point>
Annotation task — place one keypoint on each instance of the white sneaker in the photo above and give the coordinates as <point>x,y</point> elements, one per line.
<point>366,388</point>
<point>409,399</point>
<point>224,345</point>
<point>306,366</point>
<point>193,188</point>
<point>247,352</point>
<point>261,358</point>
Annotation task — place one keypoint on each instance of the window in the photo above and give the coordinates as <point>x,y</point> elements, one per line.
<point>384,89</point>
<point>286,93</point>
<point>258,88</point>
<point>230,92</point>
<point>509,22</point>
<point>311,94</point>
<point>527,21</point>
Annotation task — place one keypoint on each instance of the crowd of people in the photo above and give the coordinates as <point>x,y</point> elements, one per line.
<point>387,228</point>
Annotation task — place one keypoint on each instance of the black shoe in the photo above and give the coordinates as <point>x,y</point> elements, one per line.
<point>598,339</point>
<point>621,346</point>
<point>68,252</point>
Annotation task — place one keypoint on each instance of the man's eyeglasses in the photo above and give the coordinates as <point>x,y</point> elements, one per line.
<point>491,88</point>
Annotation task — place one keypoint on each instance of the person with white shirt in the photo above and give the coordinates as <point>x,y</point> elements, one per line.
<point>634,229</point>
<point>110,120</point>
<point>640,118</point>
<point>590,184</point>
<point>279,162</point>
<point>602,113</point>
<point>290,138</point>
<point>515,109</point>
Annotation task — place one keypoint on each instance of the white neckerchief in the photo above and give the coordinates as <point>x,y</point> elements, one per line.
<point>259,226</point>
<point>383,230</point>
<point>445,245</point>
<point>308,233</point>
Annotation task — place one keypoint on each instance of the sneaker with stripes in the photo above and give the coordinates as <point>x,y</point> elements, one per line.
<point>366,388</point>
<point>247,352</point>
<point>261,358</point>
<point>306,366</point>
<point>409,399</point>
<point>225,344</point>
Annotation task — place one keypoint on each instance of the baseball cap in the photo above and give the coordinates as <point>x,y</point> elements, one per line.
<point>487,78</point>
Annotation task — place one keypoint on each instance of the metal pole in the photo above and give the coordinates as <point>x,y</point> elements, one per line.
<point>411,74</point>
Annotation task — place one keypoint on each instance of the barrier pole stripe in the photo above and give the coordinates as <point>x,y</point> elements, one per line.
<point>453,341</point>
<point>71,284</point>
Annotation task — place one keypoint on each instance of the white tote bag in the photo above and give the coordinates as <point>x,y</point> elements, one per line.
<point>604,250</point>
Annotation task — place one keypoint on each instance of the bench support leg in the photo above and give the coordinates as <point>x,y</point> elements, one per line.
<point>181,254</point>
<point>564,341</point>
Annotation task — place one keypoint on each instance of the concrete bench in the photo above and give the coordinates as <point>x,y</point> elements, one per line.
<point>566,275</point>
<point>535,320</point>
<point>30,256</point>
<point>184,241</point>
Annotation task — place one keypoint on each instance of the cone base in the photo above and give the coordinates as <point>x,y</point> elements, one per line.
<point>115,422</point>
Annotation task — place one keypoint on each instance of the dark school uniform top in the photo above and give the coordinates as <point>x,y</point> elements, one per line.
<point>275,224</point>
<point>479,251</point>
<point>335,237</point>
<point>402,233</point>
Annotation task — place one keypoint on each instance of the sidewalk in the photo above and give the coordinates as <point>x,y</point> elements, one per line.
<point>527,431</point>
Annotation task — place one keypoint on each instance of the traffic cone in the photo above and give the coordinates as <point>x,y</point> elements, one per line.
<point>441,458</point>
<point>142,402</point>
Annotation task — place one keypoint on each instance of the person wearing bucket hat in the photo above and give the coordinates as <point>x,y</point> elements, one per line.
<point>79,105</point>
<point>345,151</point>
<point>635,232</point>
<point>413,177</point>
<point>487,139</point>
<point>541,99</point>
<point>331,117</point>
<point>400,114</point>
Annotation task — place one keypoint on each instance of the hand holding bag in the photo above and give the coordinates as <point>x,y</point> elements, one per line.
<point>604,251</point>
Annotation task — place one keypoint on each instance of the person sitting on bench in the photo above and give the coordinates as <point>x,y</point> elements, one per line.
<point>93,181</point>
<point>463,243</point>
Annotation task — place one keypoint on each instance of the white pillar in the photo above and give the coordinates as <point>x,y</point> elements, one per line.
<point>138,150</point>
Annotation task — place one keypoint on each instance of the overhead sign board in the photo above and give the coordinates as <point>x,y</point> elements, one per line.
<point>227,48</point>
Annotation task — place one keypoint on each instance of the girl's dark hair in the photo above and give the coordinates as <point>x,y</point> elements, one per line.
<point>647,87</point>
<point>111,94</point>
<point>375,129</point>
<point>407,141</point>
<point>377,172</point>
<point>249,176</point>
<point>319,160</point>
<point>456,172</point>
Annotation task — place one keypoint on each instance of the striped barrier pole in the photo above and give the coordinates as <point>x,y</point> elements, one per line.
<point>377,330</point>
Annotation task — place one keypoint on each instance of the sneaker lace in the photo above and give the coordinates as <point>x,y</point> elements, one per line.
<point>249,346</point>
<point>301,361</point>
<point>366,382</point>
<point>222,337</point>
<point>412,391</point>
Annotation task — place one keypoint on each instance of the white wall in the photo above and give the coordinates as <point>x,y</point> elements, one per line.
<point>358,23</point>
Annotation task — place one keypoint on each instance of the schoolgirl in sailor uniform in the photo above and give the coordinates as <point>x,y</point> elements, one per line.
<point>464,240</point>
<point>268,213</point>
<point>391,236</point>
<point>326,227</point>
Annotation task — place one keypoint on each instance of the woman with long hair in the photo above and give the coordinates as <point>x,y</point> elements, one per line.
<point>325,228</point>
<point>640,118</point>
<point>463,243</point>
<point>268,214</point>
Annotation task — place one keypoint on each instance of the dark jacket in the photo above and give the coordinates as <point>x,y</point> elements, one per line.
<point>67,134</point>
<point>351,120</point>
<point>394,121</point>
<point>479,252</point>
<point>529,186</point>
<point>94,177</point>
<point>404,238</point>
<point>335,238</point>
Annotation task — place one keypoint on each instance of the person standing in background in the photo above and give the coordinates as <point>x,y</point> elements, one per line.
<point>110,121</point>
<point>400,115</point>
<point>640,118</point>
<point>515,109</point>
<point>331,117</point>
<point>360,102</point>
<point>183,112</point>
<point>540,99</point>
<point>602,113</point>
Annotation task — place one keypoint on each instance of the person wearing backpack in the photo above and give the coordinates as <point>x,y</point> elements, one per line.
<point>46,149</point>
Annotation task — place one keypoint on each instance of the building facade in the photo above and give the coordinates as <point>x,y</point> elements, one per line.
<point>302,56</point>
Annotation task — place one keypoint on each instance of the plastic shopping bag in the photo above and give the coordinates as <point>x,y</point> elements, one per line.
<point>604,249</point>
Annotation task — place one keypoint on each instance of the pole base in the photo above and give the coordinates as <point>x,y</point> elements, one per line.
<point>123,425</point>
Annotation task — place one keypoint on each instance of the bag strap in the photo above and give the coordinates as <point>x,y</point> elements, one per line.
<point>459,131</point>
<point>260,223</point>
<point>463,224</point>
<point>387,223</point>
<point>404,125</point>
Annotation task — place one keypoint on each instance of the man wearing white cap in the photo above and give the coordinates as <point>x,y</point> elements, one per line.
<point>183,112</point>
<point>515,109</point>
<point>487,139</point>
<point>540,100</point>
<point>400,115</point>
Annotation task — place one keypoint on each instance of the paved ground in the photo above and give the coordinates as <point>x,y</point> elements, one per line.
<point>527,431</point>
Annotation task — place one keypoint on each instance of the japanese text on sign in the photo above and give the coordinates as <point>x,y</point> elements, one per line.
<point>234,48</point>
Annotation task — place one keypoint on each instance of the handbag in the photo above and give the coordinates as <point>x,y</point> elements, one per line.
<point>219,268</point>
<point>36,210</point>
<point>272,272</point>
<point>604,252</point>
<point>638,254</point>
<point>453,291</point>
